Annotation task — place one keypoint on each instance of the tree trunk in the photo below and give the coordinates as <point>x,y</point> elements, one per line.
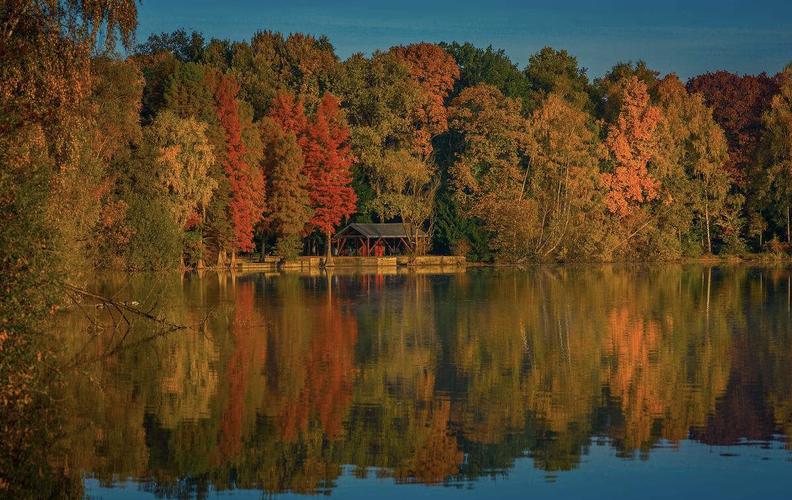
<point>221,258</point>
<point>707,219</point>
<point>200,264</point>
<point>329,246</point>
<point>233,260</point>
<point>787,223</point>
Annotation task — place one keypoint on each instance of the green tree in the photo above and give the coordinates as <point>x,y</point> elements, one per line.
<point>775,185</point>
<point>288,203</point>
<point>383,102</point>
<point>489,171</point>
<point>489,66</point>
<point>557,71</point>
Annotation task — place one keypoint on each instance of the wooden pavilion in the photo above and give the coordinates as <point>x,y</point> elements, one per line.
<point>377,240</point>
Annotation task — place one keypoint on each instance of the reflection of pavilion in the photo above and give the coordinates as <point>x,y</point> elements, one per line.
<point>378,240</point>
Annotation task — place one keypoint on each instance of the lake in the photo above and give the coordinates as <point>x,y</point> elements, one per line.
<point>578,381</point>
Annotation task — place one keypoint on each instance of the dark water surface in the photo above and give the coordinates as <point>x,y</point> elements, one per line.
<point>605,382</point>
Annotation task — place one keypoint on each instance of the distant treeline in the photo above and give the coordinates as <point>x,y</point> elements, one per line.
<point>194,151</point>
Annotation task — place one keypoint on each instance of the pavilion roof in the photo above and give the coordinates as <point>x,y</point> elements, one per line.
<point>379,230</point>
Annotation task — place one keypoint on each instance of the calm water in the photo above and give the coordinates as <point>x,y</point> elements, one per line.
<point>569,381</point>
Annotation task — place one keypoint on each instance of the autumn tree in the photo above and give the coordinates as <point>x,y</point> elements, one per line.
<point>288,201</point>
<point>246,180</point>
<point>632,143</point>
<point>407,186</point>
<point>775,155</point>
<point>488,174</point>
<point>45,82</point>
<point>435,71</point>
<point>738,103</point>
<point>609,90</point>
<point>116,97</point>
<point>288,111</point>
<point>562,179</point>
<point>690,162</point>
<point>328,162</point>
<point>183,158</point>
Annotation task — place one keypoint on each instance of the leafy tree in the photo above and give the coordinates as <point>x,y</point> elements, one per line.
<point>562,179</point>
<point>487,176</point>
<point>246,180</point>
<point>271,63</point>
<point>157,70</point>
<point>185,47</point>
<point>609,90</point>
<point>776,154</point>
<point>288,111</point>
<point>632,142</point>
<point>45,83</point>
<point>288,202</point>
<point>694,148</point>
<point>489,66</point>
<point>183,159</point>
<point>557,71</point>
<point>118,88</point>
<point>435,71</point>
<point>737,103</point>
<point>383,102</point>
<point>328,162</point>
<point>407,187</point>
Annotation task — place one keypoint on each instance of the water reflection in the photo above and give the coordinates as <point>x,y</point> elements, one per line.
<point>293,381</point>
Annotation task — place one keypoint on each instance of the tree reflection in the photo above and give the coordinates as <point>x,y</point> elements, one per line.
<point>426,378</point>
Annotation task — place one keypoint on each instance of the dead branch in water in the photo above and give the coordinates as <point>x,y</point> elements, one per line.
<point>120,314</point>
<point>123,307</point>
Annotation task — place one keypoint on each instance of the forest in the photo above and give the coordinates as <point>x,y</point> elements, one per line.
<point>191,152</point>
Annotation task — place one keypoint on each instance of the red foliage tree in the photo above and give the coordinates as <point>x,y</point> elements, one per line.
<point>247,181</point>
<point>435,71</point>
<point>737,103</point>
<point>327,156</point>
<point>328,162</point>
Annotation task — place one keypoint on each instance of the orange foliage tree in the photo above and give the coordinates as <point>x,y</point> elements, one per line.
<point>633,143</point>
<point>435,71</point>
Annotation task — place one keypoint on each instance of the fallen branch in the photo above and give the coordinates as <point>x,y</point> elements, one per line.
<point>122,307</point>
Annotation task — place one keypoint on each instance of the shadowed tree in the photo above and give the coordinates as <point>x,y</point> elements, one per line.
<point>288,202</point>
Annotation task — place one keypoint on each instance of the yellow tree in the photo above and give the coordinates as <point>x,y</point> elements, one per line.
<point>488,173</point>
<point>693,154</point>
<point>562,178</point>
<point>183,158</point>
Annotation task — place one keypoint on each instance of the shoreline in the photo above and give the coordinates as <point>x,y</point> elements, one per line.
<point>448,263</point>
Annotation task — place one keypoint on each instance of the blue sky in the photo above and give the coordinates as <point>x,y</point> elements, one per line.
<point>687,38</point>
